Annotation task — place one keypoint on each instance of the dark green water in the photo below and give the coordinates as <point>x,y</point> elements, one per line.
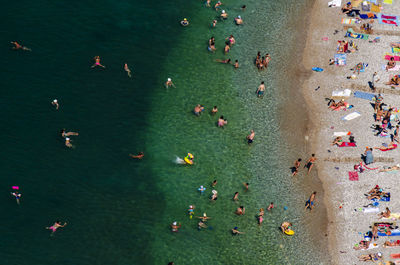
<point>118,210</point>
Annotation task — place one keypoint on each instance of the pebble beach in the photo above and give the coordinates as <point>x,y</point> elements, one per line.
<point>347,219</point>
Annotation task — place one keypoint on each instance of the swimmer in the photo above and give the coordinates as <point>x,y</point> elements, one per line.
<point>175,227</point>
<point>55,103</point>
<point>169,83</point>
<point>66,134</point>
<point>235,231</point>
<point>227,61</point>
<point>222,122</point>
<point>267,59</point>
<point>261,216</point>
<point>217,5</point>
<point>246,186</point>
<point>185,22</point>
<point>214,110</point>
<point>260,90</point>
<point>204,218</point>
<point>236,196</point>
<point>238,20</point>
<point>202,189</point>
<point>214,23</point>
<point>17,196</point>
<point>140,155</point>
<point>18,46</point>
<point>227,48</point>
<point>201,225</point>
<point>191,211</point>
<point>198,109</point>
<point>270,207</point>
<point>224,15</point>
<point>214,195</point>
<point>126,68</point>
<point>214,183</point>
<point>240,210</point>
<point>231,40</point>
<point>236,64</point>
<point>250,137</point>
<point>68,142</point>
<point>208,3</point>
<point>97,62</point>
<point>56,225</point>
<point>243,7</point>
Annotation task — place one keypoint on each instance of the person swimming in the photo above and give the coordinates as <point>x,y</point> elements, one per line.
<point>250,137</point>
<point>175,227</point>
<point>185,22</point>
<point>55,103</point>
<point>66,134</point>
<point>126,68</point>
<point>169,83</point>
<point>227,61</point>
<point>222,122</point>
<point>68,142</point>
<point>238,20</point>
<point>198,109</point>
<point>18,46</point>
<point>260,90</point>
<point>97,62</point>
<point>17,196</point>
<point>140,155</point>
<point>56,225</point>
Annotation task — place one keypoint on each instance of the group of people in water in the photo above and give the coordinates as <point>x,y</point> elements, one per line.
<point>262,61</point>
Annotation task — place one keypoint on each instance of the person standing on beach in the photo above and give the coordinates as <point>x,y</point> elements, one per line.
<point>250,137</point>
<point>375,232</point>
<point>310,163</point>
<point>295,169</point>
<point>310,202</point>
<point>261,89</point>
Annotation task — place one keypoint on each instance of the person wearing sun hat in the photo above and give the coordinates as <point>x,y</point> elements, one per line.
<point>224,15</point>
<point>169,83</point>
<point>185,22</point>
<point>238,20</point>
<point>175,226</point>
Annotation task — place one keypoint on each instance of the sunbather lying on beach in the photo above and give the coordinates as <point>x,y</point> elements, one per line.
<point>362,245</point>
<point>393,168</point>
<point>338,141</point>
<point>391,64</point>
<point>372,257</point>
<point>395,44</point>
<point>376,195</point>
<point>394,81</point>
<point>358,68</point>
<point>374,190</point>
<point>392,243</point>
<point>391,146</point>
<point>384,214</point>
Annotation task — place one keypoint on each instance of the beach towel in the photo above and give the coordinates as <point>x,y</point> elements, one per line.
<point>371,246</point>
<point>364,95</point>
<point>349,21</point>
<point>393,216</point>
<point>391,148</point>
<point>375,8</point>
<point>357,36</point>
<point>385,198</point>
<point>365,16</point>
<point>341,93</point>
<point>340,59</point>
<point>389,56</point>
<point>371,210</point>
<point>395,68</point>
<point>395,50</point>
<point>336,134</point>
<point>388,19</point>
<point>394,232</point>
<point>335,3</point>
<point>351,116</point>
<point>366,6</point>
<point>395,256</point>
<point>389,2</point>
<point>317,69</point>
<point>353,175</point>
<point>373,1</point>
<point>356,3</point>
<point>347,144</point>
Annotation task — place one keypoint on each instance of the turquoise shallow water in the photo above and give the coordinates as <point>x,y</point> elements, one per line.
<point>118,210</point>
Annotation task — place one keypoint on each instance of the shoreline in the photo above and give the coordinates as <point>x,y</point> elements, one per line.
<point>347,225</point>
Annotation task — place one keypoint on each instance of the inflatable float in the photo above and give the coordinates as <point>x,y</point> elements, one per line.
<point>286,228</point>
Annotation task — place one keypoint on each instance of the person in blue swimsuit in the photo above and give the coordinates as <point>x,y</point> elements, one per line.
<point>310,202</point>
<point>260,90</point>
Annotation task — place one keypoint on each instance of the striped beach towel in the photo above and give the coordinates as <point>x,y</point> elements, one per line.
<point>349,21</point>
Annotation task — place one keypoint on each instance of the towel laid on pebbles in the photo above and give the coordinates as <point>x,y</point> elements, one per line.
<point>371,210</point>
<point>351,116</point>
<point>364,95</point>
<point>395,68</point>
<point>336,134</point>
<point>353,175</point>
<point>341,93</point>
<point>335,3</point>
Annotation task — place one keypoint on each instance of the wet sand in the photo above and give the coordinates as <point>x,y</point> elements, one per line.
<point>345,225</point>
